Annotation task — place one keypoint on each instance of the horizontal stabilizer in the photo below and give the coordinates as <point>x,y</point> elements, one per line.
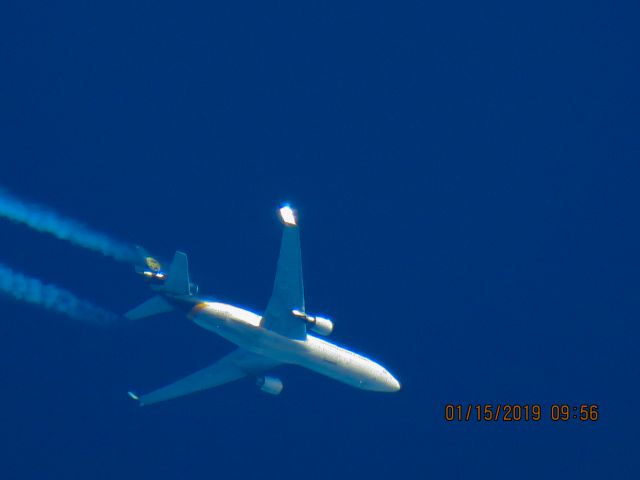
<point>153,306</point>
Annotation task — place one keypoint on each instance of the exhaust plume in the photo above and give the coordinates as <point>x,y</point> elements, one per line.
<point>52,298</point>
<point>45,220</point>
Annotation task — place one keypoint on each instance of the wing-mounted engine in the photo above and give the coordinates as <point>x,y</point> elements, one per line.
<point>270,385</point>
<point>320,325</point>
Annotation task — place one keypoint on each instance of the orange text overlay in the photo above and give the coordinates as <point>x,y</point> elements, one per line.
<point>512,412</point>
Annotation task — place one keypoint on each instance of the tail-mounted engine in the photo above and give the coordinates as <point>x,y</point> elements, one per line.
<point>320,325</point>
<point>271,385</point>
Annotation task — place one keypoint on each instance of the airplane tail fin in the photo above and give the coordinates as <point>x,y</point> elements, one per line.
<point>174,283</point>
<point>178,276</point>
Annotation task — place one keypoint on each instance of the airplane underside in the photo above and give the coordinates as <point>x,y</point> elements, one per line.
<point>264,342</point>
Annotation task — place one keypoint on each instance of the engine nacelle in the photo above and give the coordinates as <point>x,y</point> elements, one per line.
<point>271,385</point>
<point>320,325</point>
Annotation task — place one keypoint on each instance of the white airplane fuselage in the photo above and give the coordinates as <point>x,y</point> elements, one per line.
<point>243,328</point>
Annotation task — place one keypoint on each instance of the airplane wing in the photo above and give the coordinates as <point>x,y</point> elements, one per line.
<point>288,290</point>
<point>236,365</point>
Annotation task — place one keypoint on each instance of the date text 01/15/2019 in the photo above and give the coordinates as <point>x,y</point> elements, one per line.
<point>508,412</point>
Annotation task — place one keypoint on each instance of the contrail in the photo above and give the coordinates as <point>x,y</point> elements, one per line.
<point>44,220</point>
<point>52,298</point>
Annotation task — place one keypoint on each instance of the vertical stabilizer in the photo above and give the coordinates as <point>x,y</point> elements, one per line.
<point>178,276</point>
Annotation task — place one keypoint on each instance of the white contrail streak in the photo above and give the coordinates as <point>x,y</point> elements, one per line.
<point>52,298</point>
<point>45,220</point>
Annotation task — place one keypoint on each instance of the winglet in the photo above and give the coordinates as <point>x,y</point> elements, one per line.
<point>287,216</point>
<point>133,396</point>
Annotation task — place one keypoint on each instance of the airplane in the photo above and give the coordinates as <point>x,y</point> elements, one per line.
<point>279,336</point>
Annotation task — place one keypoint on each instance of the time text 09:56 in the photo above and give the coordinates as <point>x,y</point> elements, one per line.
<point>508,412</point>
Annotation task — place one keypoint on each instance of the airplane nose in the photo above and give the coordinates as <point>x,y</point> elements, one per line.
<point>390,383</point>
<point>381,381</point>
<point>394,385</point>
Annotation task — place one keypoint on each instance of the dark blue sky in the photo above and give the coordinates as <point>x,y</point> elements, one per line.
<point>467,180</point>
